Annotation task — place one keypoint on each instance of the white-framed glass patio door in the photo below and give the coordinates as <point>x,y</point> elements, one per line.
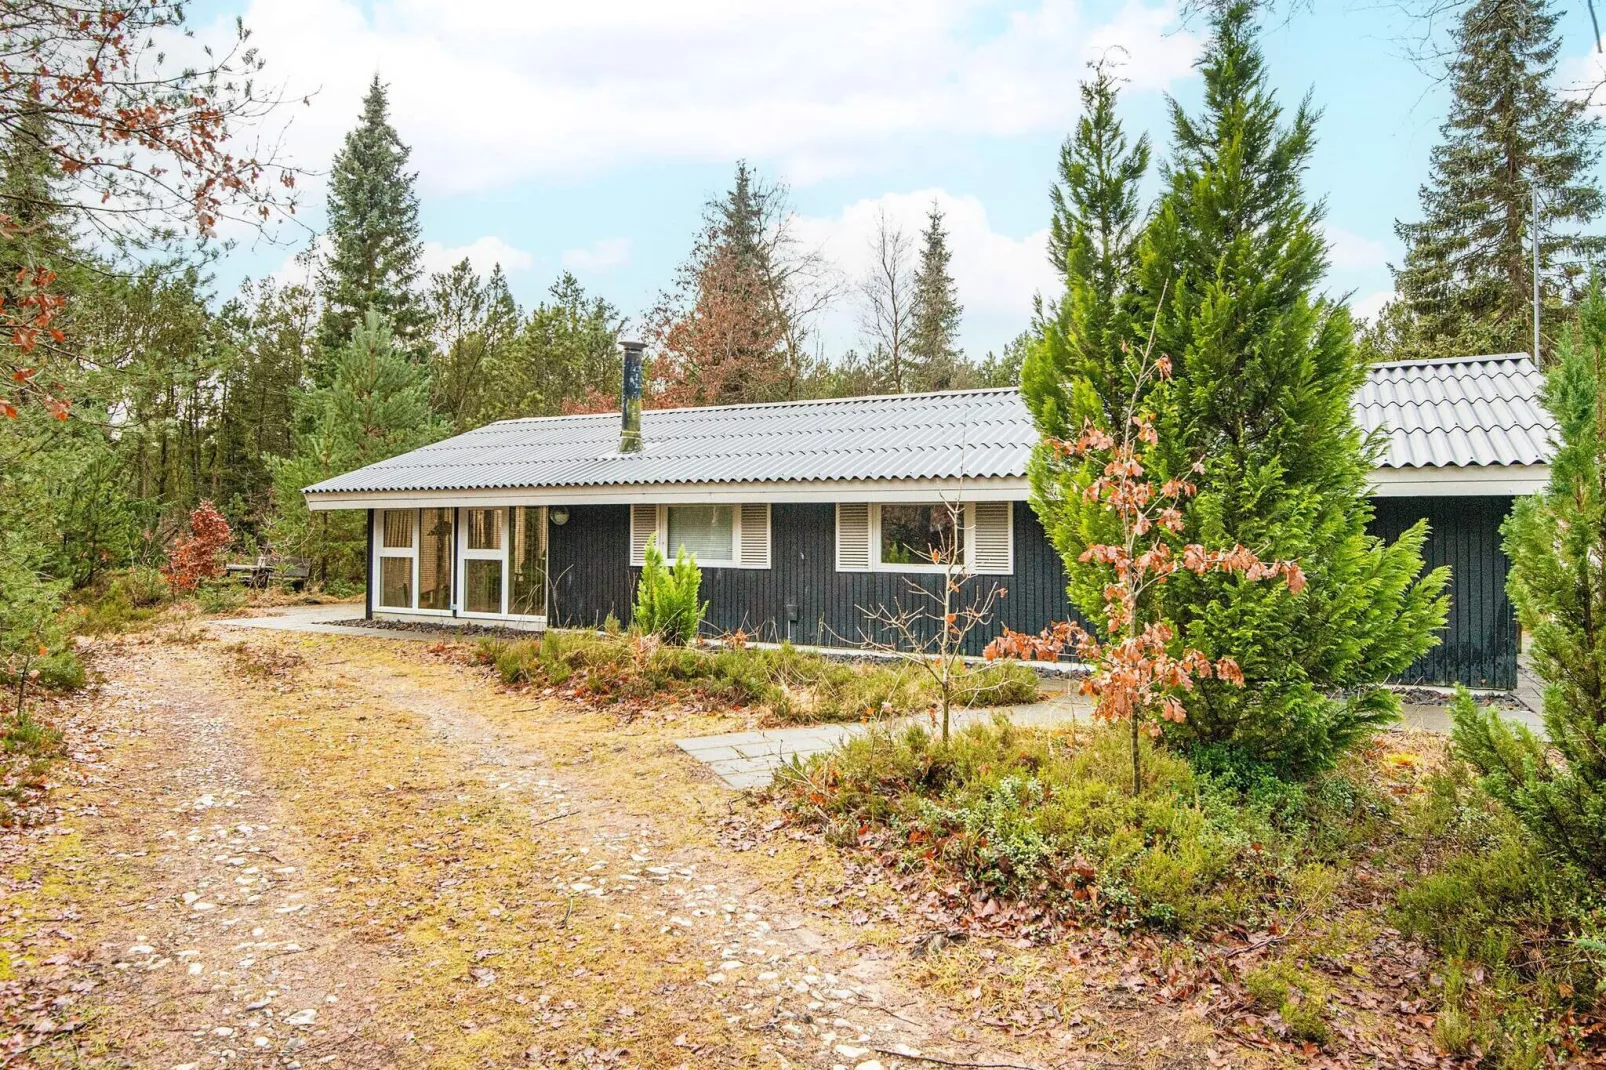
<point>502,562</point>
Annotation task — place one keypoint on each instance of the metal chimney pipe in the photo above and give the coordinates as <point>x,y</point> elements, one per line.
<point>630,398</point>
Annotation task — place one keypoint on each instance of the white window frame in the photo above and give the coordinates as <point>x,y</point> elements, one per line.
<point>465,555</point>
<point>670,552</point>
<point>967,511</point>
<point>381,551</point>
<point>738,535</point>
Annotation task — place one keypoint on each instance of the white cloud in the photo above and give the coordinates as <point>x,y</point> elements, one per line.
<point>1367,307</point>
<point>484,253</point>
<point>491,92</point>
<point>1348,251</point>
<point>997,275</point>
<point>603,255</point>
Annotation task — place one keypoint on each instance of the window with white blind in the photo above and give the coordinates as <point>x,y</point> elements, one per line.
<point>706,532</point>
<point>718,536</point>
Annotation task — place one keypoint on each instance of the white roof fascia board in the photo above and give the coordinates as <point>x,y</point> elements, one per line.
<point>1459,481</point>
<point>1011,488</point>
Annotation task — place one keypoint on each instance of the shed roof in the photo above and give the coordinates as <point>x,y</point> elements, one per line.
<point>1462,412</point>
<point>1475,411</point>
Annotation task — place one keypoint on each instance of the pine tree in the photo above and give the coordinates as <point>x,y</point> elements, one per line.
<point>1263,374</point>
<point>1467,282</point>
<point>471,321</point>
<point>564,357</point>
<point>1077,370</point>
<point>373,261</point>
<point>934,334</point>
<point>1556,541</point>
<point>375,406</point>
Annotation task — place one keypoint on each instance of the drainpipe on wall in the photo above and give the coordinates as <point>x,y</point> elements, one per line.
<point>630,398</point>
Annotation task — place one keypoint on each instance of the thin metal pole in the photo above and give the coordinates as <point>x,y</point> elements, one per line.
<point>1536,272</point>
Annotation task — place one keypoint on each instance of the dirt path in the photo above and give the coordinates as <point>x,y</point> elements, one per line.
<point>313,850</point>
<point>170,911</point>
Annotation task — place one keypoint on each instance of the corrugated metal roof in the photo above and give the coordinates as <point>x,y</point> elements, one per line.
<point>1467,411</point>
<point>976,434</point>
<point>1472,411</point>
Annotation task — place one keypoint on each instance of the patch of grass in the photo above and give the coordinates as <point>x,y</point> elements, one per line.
<point>1519,930</point>
<point>790,686</point>
<point>1298,996</point>
<point>436,866</point>
<point>29,746</point>
<point>1047,817</point>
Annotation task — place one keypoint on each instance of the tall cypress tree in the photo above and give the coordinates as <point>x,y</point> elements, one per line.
<point>1264,372</point>
<point>1556,540</point>
<point>373,262</point>
<point>934,335</point>
<point>1076,371</point>
<point>1467,282</point>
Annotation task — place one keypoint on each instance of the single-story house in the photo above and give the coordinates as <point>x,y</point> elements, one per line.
<point>802,513</point>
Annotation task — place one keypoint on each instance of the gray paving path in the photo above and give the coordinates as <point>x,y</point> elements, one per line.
<point>319,619</point>
<point>750,759</point>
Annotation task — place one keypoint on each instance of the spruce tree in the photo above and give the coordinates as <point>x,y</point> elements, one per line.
<point>1467,281</point>
<point>1556,541</point>
<point>1257,415</point>
<point>1076,371</point>
<point>375,406</point>
<point>934,334</point>
<point>373,260</point>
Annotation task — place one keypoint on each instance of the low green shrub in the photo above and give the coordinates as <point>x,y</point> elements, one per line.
<point>140,586</point>
<point>790,685</point>
<point>1493,900</point>
<point>1049,816</point>
<point>667,597</point>
<point>120,602</point>
<point>220,597</point>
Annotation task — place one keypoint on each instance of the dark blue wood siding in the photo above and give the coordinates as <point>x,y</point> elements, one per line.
<point>1479,646</point>
<point>801,597</point>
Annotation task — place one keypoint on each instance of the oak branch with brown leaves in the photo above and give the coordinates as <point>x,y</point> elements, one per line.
<point>145,149</point>
<point>1138,674</point>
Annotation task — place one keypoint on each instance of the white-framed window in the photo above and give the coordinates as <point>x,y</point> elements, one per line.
<point>719,536</point>
<point>396,553</point>
<point>919,536</point>
<point>484,562</point>
<point>706,532</point>
<point>912,536</point>
<point>413,560</point>
<point>502,562</point>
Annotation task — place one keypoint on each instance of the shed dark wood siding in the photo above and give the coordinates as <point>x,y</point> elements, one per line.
<point>1479,645</point>
<point>801,597</point>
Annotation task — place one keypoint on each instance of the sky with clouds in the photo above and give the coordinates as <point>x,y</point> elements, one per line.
<point>587,136</point>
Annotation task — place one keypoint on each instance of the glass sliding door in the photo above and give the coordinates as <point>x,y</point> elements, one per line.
<point>435,559</point>
<point>484,554</point>
<point>527,561</point>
